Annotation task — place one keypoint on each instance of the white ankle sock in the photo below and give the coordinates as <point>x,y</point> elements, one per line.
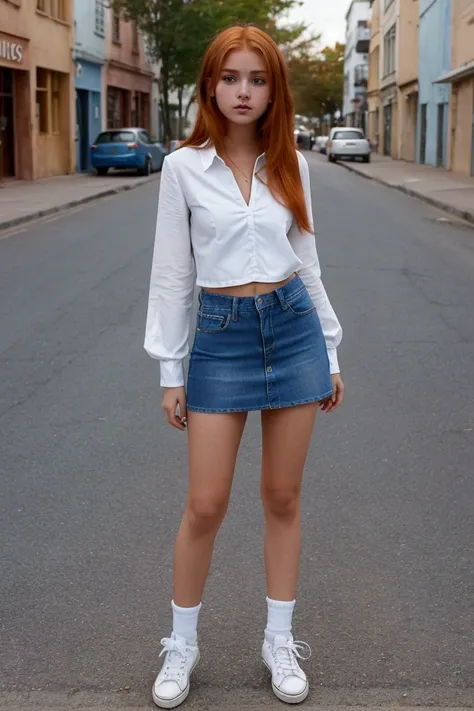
<point>185,621</point>
<point>280,614</point>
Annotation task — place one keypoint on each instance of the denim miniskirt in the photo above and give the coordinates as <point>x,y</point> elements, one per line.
<point>258,352</point>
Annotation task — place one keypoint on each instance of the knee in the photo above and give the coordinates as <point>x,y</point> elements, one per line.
<point>205,515</point>
<point>281,503</point>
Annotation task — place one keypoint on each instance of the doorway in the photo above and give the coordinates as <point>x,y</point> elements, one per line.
<point>387,137</point>
<point>82,111</point>
<point>440,137</point>
<point>472,142</point>
<point>7,128</point>
<point>423,134</point>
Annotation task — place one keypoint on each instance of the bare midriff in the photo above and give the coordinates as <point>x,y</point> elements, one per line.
<point>253,288</point>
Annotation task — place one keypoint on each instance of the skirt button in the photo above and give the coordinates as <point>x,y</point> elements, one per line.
<point>269,369</point>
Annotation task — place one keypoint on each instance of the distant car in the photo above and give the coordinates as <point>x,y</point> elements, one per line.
<point>321,143</point>
<point>348,143</point>
<point>127,148</point>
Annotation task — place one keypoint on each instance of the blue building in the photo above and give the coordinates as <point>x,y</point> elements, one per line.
<point>434,60</point>
<point>89,56</point>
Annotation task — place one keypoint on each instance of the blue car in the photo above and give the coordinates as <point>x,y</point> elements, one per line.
<point>127,148</point>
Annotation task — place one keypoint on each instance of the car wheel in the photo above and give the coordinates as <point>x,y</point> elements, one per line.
<point>102,171</point>
<point>148,166</point>
<point>366,159</point>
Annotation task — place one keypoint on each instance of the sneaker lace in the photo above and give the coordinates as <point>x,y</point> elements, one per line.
<point>175,663</point>
<point>287,653</point>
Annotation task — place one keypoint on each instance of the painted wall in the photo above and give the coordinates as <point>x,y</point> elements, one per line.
<point>89,42</point>
<point>434,59</point>
<point>461,143</point>
<point>359,10</point>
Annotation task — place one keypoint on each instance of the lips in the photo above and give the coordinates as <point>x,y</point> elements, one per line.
<point>243,106</point>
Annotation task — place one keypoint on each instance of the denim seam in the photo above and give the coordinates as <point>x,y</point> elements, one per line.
<point>290,403</point>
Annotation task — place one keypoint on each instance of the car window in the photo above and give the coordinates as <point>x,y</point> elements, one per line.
<point>348,135</point>
<point>116,137</point>
<point>144,137</point>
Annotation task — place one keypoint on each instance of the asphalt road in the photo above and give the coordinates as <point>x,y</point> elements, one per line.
<point>93,482</point>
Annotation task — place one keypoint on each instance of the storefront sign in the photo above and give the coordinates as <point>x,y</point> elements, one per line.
<point>11,51</point>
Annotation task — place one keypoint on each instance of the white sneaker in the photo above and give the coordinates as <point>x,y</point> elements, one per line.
<point>289,682</point>
<point>171,687</point>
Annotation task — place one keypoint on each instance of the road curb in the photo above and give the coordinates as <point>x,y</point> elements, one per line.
<point>57,209</point>
<point>446,207</point>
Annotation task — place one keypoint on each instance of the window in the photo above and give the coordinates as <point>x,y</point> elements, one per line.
<point>116,27</point>
<point>53,8</point>
<point>100,18</point>
<point>42,85</point>
<point>57,9</point>
<point>48,101</point>
<point>389,52</point>
<point>348,136</point>
<point>55,79</point>
<point>116,137</point>
<point>135,48</point>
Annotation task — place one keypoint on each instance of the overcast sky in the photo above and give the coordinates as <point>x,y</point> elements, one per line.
<point>326,18</point>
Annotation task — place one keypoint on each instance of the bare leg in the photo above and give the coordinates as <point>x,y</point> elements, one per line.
<point>286,436</point>
<point>213,443</point>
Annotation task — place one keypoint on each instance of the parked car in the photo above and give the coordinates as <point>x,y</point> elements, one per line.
<point>321,143</point>
<point>127,148</point>
<point>348,143</point>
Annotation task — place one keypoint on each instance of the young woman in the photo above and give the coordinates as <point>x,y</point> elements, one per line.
<point>235,206</point>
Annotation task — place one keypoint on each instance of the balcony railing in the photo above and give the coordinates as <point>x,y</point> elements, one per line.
<point>362,40</point>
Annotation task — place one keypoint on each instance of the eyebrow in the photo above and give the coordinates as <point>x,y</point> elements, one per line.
<point>254,71</point>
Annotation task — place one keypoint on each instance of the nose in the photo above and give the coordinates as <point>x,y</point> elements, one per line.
<point>244,90</point>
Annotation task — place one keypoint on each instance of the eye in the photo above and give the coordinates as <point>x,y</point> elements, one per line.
<point>259,81</point>
<point>228,79</point>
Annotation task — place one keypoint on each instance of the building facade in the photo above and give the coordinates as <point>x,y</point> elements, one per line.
<point>129,76</point>
<point>434,60</point>
<point>356,57</point>
<point>461,80</point>
<point>375,128</point>
<point>36,88</point>
<point>90,24</point>
<point>407,80</point>
<point>389,54</point>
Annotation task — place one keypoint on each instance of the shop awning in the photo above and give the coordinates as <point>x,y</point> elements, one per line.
<point>456,74</point>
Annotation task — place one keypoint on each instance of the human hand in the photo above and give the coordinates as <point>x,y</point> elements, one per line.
<point>174,407</point>
<point>335,400</point>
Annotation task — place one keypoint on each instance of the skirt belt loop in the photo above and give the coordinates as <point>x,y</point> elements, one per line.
<point>235,308</point>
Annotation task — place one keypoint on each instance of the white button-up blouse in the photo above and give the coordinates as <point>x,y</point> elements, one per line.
<point>206,234</point>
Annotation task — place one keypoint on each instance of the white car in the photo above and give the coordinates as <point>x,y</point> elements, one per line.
<point>348,142</point>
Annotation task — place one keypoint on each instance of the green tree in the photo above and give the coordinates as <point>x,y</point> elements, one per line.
<point>178,32</point>
<point>317,80</point>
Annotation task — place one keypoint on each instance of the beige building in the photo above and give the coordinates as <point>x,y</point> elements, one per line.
<point>36,88</point>
<point>373,91</point>
<point>129,76</point>
<point>389,52</point>
<point>393,77</point>
<point>407,80</point>
<point>461,77</point>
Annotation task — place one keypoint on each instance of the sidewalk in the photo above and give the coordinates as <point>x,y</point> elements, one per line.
<point>23,201</point>
<point>448,191</point>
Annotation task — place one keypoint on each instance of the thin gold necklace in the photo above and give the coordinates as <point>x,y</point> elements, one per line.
<point>247,180</point>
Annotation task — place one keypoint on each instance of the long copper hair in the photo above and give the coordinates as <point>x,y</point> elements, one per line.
<point>275,127</point>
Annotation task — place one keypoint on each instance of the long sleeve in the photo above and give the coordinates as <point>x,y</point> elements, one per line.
<point>172,282</point>
<point>304,246</point>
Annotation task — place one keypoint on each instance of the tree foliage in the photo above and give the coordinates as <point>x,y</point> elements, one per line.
<point>317,80</point>
<point>179,31</point>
